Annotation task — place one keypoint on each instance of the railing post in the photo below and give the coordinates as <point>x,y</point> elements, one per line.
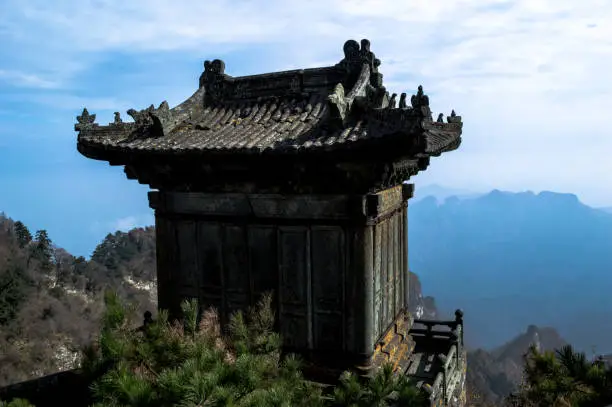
<point>459,321</point>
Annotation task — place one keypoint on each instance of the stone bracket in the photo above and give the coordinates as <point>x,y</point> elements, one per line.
<point>388,201</point>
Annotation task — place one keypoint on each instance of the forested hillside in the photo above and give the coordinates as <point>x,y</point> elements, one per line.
<point>51,301</point>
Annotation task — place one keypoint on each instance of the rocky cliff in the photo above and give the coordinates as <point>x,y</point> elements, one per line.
<point>492,375</point>
<point>421,307</point>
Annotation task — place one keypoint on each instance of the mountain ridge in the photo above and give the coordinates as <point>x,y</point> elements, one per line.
<point>492,375</point>
<point>496,246</point>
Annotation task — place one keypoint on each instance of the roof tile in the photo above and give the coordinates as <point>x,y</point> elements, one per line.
<point>278,111</point>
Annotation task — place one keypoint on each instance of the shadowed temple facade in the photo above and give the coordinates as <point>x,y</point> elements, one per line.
<point>294,182</point>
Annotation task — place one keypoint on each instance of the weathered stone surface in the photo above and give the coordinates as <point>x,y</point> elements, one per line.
<point>293,182</point>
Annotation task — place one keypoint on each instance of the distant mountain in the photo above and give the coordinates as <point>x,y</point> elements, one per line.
<point>516,259</point>
<point>441,192</point>
<point>493,375</point>
<point>608,209</point>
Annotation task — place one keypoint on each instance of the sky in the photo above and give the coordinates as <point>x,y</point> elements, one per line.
<point>531,79</point>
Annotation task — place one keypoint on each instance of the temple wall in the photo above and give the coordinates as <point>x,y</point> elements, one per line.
<point>229,266</point>
<point>337,264</point>
<point>390,282</point>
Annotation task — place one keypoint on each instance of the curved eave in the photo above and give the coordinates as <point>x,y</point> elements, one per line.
<point>106,151</point>
<point>438,142</point>
<point>434,142</point>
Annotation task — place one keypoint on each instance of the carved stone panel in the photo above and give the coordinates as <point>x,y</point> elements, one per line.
<point>263,260</point>
<point>397,262</point>
<point>384,270</point>
<point>328,335</point>
<point>294,265</point>
<point>235,262</point>
<point>327,286</point>
<point>391,281</point>
<point>166,246</point>
<point>406,268</point>
<point>188,259</point>
<point>210,264</point>
<point>378,284</point>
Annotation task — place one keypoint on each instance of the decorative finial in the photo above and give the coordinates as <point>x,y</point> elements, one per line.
<point>392,101</point>
<point>85,120</point>
<point>440,118</point>
<point>213,80</point>
<point>337,103</point>
<point>141,117</point>
<point>420,99</point>
<point>162,118</point>
<point>453,118</point>
<point>216,67</point>
<point>459,316</point>
<point>365,45</point>
<point>402,101</point>
<point>355,56</point>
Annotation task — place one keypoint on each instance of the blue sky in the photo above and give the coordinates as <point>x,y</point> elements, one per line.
<point>531,79</point>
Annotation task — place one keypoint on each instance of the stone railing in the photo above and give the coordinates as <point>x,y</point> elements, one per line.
<point>68,388</point>
<point>444,387</point>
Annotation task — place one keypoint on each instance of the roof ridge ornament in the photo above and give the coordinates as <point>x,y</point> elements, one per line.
<point>354,58</point>
<point>212,79</point>
<point>402,101</point>
<point>392,101</point>
<point>161,120</point>
<point>420,103</point>
<point>420,99</point>
<point>453,118</point>
<point>339,103</point>
<point>141,117</point>
<point>85,121</point>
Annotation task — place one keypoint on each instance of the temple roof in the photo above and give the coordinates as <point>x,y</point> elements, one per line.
<point>321,109</point>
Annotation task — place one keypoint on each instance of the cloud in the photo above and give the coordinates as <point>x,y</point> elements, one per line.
<point>22,79</point>
<point>529,77</point>
<point>466,45</point>
<point>456,31</point>
<point>131,222</point>
<point>123,224</point>
<point>63,101</point>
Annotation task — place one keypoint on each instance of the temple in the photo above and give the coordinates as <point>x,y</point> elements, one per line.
<point>294,182</point>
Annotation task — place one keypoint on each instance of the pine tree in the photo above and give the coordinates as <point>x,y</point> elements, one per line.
<point>563,378</point>
<point>43,251</point>
<point>79,265</point>
<point>14,283</point>
<point>23,234</point>
<point>193,363</point>
<point>16,403</point>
